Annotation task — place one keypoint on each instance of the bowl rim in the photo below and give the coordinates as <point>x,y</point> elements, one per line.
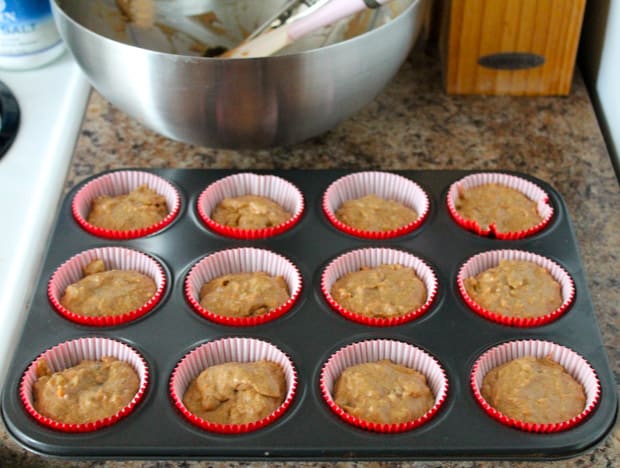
<point>58,9</point>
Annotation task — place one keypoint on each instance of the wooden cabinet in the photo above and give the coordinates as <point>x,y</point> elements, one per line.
<point>518,47</point>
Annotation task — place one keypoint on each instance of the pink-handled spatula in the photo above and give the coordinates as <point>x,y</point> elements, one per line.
<point>270,42</point>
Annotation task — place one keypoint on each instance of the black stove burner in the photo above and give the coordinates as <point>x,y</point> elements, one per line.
<point>9,115</point>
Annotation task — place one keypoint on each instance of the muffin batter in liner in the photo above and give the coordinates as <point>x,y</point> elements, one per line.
<point>375,350</point>
<point>486,260</point>
<point>235,349</point>
<point>275,188</point>
<point>69,354</point>
<point>120,183</point>
<point>384,185</point>
<point>372,257</point>
<point>529,189</point>
<point>119,258</point>
<point>574,364</point>
<point>242,260</point>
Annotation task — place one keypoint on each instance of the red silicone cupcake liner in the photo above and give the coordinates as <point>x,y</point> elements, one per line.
<point>234,349</point>
<point>119,258</point>
<point>69,354</point>
<point>372,257</point>
<point>574,364</point>
<point>382,184</point>
<point>486,260</point>
<point>530,190</point>
<point>399,353</point>
<point>242,260</point>
<point>275,188</point>
<point>119,183</point>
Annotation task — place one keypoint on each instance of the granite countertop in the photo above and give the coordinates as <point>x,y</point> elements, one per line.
<point>413,124</point>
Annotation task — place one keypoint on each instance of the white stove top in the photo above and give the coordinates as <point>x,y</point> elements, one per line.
<point>52,102</point>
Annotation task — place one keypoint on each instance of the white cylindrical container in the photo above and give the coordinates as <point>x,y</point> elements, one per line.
<point>28,35</point>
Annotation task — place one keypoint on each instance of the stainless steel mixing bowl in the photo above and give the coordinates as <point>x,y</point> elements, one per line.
<point>238,103</point>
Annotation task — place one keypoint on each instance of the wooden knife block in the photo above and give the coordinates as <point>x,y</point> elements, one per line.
<point>516,47</point>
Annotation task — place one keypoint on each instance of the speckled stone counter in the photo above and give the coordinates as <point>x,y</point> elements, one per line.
<point>412,125</point>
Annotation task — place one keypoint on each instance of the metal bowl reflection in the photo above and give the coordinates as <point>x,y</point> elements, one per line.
<point>238,103</point>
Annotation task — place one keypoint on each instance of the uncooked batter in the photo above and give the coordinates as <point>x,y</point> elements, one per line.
<point>373,213</point>
<point>383,392</point>
<point>249,212</point>
<point>536,390</point>
<point>515,288</point>
<point>87,392</point>
<point>107,293</point>
<point>236,393</point>
<point>244,294</point>
<point>507,208</point>
<point>384,291</point>
<point>137,209</point>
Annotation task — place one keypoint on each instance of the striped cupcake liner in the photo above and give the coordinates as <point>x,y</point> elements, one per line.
<point>486,260</point>
<point>242,260</point>
<point>529,189</point>
<point>375,350</point>
<point>71,353</point>
<point>382,184</point>
<point>372,257</point>
<point>574,364</point>
<point>120,183</point>
<point>275,188</point>
<point>119,258</point>
<point>235,349</point>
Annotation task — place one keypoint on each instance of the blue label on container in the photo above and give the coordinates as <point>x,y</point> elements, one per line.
<point>26,27</point>
<point>12,11</point>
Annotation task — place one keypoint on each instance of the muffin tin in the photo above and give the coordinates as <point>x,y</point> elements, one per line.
<point>309,333</point>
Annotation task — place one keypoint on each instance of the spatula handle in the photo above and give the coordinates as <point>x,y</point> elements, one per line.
<point>330,13</point>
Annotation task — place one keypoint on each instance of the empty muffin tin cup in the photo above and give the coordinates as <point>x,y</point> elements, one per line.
<point>574,364</point>
<point>119,258</point>
<point>375,350</point>
<point>242,260</point>
<point>121,183</point>
<point>372,257</point>
<point>71,353</point>
<point>281,191</point>
<point>384,185</point>
<point>221,351</point>
<point>486,260</point>
<point>527,188</point>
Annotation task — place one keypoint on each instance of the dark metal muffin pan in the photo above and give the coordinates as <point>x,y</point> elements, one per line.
<point>309,334</point>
